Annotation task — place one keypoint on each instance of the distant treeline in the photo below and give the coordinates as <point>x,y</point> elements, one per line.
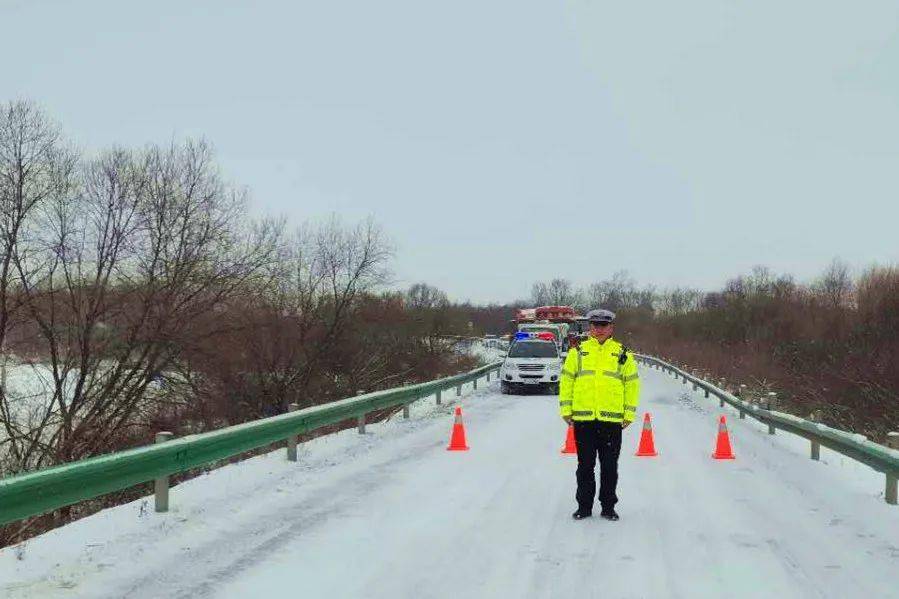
<point>828,348</point>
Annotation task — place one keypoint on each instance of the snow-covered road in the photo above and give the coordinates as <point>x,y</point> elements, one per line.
<point>393,514</point>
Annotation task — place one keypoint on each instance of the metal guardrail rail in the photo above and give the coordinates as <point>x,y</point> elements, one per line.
<point>853,445</point>
<point>52,488</point>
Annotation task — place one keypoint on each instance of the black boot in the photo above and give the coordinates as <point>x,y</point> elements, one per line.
<point>609,514</point>
<point>579,515</point>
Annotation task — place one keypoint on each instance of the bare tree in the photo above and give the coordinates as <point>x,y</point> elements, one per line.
<point>681,300</point>
<point>352,261</point>
<point>557,292</point>
<point>128,265</point>
<point>31,159</point>
<point>835,285</point>
<point>540,294</point>
<point>435,317</point>
<point>36,170</point>
<point>562,293</point>
<point>616,293</point>
<point>422,296</point>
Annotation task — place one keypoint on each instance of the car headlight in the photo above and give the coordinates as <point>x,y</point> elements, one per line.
<point>510,366</point>
<point>555,367</point>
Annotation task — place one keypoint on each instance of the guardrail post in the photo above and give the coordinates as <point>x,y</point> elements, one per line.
<point>721,400</point>
<point>695,387</point>
<point>891,493</point>
<point>742,414</point>
<point>488,376</point>
<point>161,485</point>
<point>475,384</point>
<point>438,397</point>
<point>816,450</point>
<point>771,429</point>
<point>292,439</point>
<point>406,412</point>
<point>893,440</point>
<point>706,392</point>
<point>361,424</point>
<point>458,390</point>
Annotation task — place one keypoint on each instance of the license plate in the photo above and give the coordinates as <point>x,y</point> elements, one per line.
<point>531,381</point>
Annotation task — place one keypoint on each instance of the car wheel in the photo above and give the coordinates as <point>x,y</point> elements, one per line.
<point>504,387</point>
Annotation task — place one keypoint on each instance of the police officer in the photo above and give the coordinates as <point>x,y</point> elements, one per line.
<point>598,393</point>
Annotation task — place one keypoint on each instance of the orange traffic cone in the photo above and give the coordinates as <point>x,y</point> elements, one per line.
<point>723,450</point>
<point>457,441</point>
<point>570,445</point>
<point>647,448</point>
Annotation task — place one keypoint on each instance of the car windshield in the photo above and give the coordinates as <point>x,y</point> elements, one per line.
<point>533,349</point>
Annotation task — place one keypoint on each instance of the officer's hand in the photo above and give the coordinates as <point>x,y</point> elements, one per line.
<point>567,420</point>
<point>626,423</point>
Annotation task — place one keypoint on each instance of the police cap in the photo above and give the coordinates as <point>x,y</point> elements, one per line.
<point>601,316</point>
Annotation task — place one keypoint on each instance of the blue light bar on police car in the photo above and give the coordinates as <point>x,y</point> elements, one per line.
<point>542,336</point>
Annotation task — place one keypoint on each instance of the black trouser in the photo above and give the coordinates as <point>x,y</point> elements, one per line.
<point>603,439</point>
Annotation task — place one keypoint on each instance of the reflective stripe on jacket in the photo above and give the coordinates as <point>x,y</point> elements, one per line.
<point>594,386</point>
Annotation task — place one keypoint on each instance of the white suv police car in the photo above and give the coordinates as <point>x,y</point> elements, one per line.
<point>533,361</point>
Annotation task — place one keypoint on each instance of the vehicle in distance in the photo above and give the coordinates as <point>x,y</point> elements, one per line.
<point>533,361</point>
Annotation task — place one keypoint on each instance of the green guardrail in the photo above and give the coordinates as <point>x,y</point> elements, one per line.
<point>856,446</point>
<point>45,490</point>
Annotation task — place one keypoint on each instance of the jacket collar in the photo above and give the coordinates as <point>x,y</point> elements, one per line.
<point>610,343</point>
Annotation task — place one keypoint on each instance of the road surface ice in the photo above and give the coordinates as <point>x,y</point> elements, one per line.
<point>392,514</point>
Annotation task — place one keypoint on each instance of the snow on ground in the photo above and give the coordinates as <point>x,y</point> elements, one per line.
<point>29,388</point>
<point>30,393</point>
<point>393,514</point>
<point>484,353</point>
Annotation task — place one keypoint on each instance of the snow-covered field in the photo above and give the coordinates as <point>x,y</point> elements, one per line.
<point>393,514</point>
<point>29,388</point>
<point>30,394</point>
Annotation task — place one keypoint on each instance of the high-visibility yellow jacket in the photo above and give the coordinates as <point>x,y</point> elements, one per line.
<point>594,386</point>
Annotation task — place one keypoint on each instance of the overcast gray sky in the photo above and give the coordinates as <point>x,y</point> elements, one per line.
<point>502,142</point>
